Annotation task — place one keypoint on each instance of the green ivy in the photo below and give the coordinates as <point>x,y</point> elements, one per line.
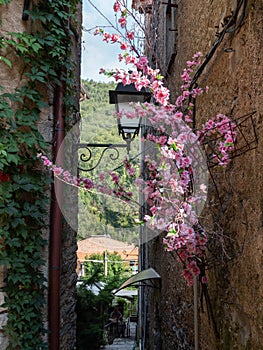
<point>23,204</point>
<point>5,2</point>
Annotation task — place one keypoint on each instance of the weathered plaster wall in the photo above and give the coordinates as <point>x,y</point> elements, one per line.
<point>235,80</point>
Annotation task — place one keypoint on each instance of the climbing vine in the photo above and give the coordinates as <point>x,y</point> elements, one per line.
<point>46,58</point>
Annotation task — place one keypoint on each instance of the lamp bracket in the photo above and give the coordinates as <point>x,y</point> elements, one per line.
<point>88,154</point>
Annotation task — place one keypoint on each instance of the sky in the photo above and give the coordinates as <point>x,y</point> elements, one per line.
<point>97,54</point>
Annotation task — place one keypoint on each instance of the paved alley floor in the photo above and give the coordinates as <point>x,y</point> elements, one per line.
<point>124,343</point>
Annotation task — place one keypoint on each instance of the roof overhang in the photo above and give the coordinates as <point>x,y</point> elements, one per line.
<point>142,276</point>
<point>129,294</point>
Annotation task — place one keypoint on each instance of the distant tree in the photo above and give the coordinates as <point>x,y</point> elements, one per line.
<point>92,310</point>
<point>89,320</point>
<point>116,269</point>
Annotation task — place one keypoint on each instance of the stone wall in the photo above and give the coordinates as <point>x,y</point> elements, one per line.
<point>11,19</point>
<point>3,311</point>
<point>234,209</point>
<point>70,199</point>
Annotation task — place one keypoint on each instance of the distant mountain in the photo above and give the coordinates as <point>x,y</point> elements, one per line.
<point>100,214</point>
<point>96,112</point>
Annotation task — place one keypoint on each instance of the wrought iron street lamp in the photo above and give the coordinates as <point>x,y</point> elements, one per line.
<point>122,96</point>
<point>128,128</point>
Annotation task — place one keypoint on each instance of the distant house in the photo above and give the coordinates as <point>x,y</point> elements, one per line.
<point>100,244</point>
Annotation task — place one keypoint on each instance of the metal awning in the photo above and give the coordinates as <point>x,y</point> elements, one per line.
<point>144,275</point>
<point>129,294</point>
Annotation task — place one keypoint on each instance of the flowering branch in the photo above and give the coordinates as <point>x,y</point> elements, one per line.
<point>175,187</point>
<point>87,184</point>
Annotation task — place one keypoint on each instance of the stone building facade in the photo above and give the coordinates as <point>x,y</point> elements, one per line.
<point>11,78</point>
<point>230,309</point>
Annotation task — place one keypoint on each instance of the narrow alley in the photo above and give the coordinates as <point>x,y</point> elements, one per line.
<point>126,343</point>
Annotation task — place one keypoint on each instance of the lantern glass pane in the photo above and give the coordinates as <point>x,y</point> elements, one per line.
<point>129,125</point>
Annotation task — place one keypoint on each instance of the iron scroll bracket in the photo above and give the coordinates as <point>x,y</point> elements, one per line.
<point>88,154</point>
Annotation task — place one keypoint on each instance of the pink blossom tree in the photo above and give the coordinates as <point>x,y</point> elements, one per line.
<point>171,200</point>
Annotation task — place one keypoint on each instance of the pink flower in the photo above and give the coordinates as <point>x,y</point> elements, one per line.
<point>46,161</point>
<point>115,178</point>
<point>122,21</point>
<point>106,37</point>
<point>162,95</point>
<point>198,54</point>
<point>126,80</point>
<point>76,181</point>
<point>186,94</point>
<point>202,240</point>
<point>116,6</point>
<point>142,82</point>
<point>191,265</point>
<point>190,63</point>
<point>57,171</point>
<point>204,280</point>
<point>188,276</point>
<point>153,209</point>
<point>188,119</point>
<point>197,92</point>
<point>131,59</point>
<point>130,35</point>
<point>115,38</point>
<point>124,46</point>
<point>179,101</point>
<point>119,75</point>
<point>196,271</point>
<point>186,77</point>
<point>147,218</point>
<point>102,176</point>
<point>131,172</point>
<point>87,183</point>
<point>178,115</point>
<point>142,62</point>
<point>66,176</point>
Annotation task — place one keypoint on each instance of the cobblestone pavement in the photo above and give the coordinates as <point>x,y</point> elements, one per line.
<point>124,343</point>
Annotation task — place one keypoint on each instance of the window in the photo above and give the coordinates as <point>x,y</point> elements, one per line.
<point>170,34</point>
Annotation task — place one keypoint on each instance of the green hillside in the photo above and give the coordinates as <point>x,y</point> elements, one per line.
<point>96,112</point>
<point>101,214</point>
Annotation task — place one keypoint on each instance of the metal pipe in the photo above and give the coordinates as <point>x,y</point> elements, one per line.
<point>56,223</point>
<point>25,15</point>
<point>196,313</point>
<point>141,301</point>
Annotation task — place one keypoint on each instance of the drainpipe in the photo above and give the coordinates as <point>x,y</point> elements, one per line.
<point>196,331</point>
<point>56,223</point>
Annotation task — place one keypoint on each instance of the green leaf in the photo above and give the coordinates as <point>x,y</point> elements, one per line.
<point>4,2</point>
<point>172,232</point>
<point>6,61</point>
<point>174,146</point>
<point>229,144</point>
